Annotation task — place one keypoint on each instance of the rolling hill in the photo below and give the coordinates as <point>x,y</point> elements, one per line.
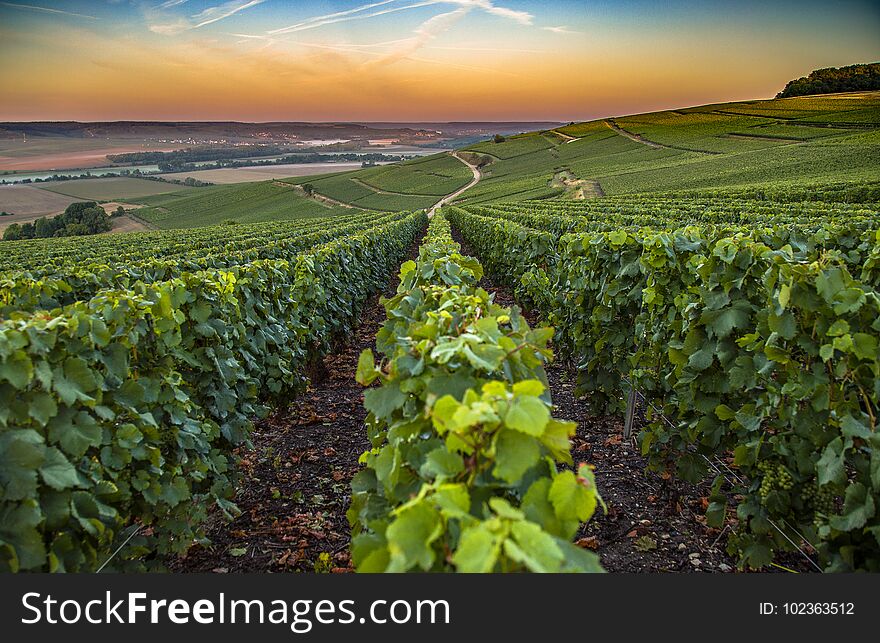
<point>736,147</point>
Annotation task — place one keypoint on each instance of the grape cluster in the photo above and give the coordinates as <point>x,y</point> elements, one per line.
<point>821,499</point>
<point>774,476</point>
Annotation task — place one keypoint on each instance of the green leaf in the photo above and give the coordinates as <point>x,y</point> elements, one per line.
<point>529,387</point>
<point>838,328</point>
<point>571,499</point>
<point>777,354</point>
<point>442,465</point>
<point>410,537</point>
<point>865,346</point>
<point>365,553</point>
<point>722,322</point>
<point>128,436</point>
<point>724,412</point>
<point>176,492</point>
<point>527,414</point>
<point>453,385</point>
<point>617,238</point>
<point>75,434</point>
<point>875,463</point>
<point>747,418</point>
<point>852,428</point>
<point>366,368</point>
<point>75,382</point>
<point>21,454</point>
<point>57,471</point>
<point>453,500</point>
<point>130,394</point>
<point>42,408</point>
<point>538,508</point>
<point>443,412</point>
<point>515,453</point>
<point>477,551</point>
<point>383,401</point>
<point>116,361</point>
<point>757,555</point>
<point>556,439</point>
<point>485,356</point>
<point>784,295</point>
<point>829,282</point>
<point>578,560</point>
<point>784,325</point>
<point>18,522</point>
<point>505,510</point>
<point>858,508</point>
<point>17,369</point>
<point>830,467</point>
<point>536,549</point>
<point>702,359</point>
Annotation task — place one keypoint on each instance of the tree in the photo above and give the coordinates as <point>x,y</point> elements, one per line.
<point>12,233</point>
<point>308,188</point>
<point>499,139</point>
<point>854,78</point>
<point>44,227</point>
<point>119,211</point>
<point>84,217</point>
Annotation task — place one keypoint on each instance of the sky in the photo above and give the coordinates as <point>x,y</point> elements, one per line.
<point>411,60</point>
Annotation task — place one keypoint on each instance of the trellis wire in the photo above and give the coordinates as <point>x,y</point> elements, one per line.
<point>627,431</point>
<point>118,549</point>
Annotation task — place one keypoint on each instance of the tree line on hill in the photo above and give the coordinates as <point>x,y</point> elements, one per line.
<point>82,218</point>
<point>854,78</point>
<point>137,174</point>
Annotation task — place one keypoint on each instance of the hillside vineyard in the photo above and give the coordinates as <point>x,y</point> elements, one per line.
<point>716,269</point>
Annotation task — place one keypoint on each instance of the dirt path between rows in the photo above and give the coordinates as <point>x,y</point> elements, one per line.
<point>295,481</point>
<point>320,198</point>
<point>638,138</point>
<point>566,137</point>
<point>364,184</point>
<point>770,139</point>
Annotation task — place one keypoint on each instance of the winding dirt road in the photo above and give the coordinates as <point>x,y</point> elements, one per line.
<point>566,138</point>
<point>638,138</point>
<point>457,193</point>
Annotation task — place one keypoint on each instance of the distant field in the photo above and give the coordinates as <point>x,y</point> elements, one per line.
<point>111,188</point>
<point>60,153</point>
<point>27,203</point>
<point>265,173</point>
<point>127,224</point>
<point>242,202</point>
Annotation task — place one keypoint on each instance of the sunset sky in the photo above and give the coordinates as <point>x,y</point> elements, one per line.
<point>410,60</point>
